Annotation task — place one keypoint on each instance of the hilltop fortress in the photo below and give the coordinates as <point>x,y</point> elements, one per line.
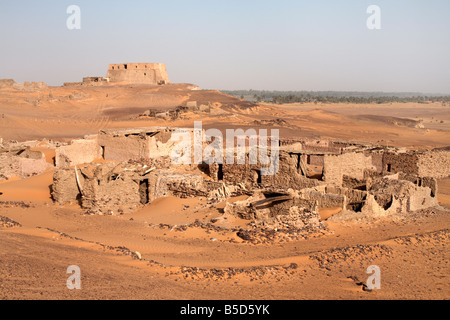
<point>136,73</point>
<point>147,73</point>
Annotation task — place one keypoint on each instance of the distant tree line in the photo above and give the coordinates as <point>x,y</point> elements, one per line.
<point>280,97</point>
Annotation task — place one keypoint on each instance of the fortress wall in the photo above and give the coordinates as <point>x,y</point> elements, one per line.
<point>143,73</point>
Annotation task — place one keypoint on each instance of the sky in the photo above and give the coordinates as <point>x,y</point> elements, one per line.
<point>235,44</point>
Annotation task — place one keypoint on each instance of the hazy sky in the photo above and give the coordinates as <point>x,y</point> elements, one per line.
<point>245,44</point>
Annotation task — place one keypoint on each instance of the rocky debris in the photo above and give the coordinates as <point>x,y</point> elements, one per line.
<point>172,114</point>
<point>272,122</point>
<point>255,234</point>
<point>360,283</point>
<point>197,224</point>
<point>6,222</point>
<point>334,258</point>
<point>15,204</point>
<point>163,162</point>
<point>282,209</point>
<point>277,272</point>
<point>262,235</point>
<point>426,239</point>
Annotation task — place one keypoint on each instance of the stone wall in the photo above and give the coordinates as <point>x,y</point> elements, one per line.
<point>123,147</point>
<point>139,143</point>
<point>351,164</point>
<point>400,162</point>
<point>288,175</point>
<point>164,183</point>
<point>107,188</point>
<point>389,196</point>
<point>64,187</point>
<point>77,152</point>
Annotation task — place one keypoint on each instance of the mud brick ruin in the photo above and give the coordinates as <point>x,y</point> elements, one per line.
<point>18,160</point>
<point>369,179</point>
<point>119,171</point>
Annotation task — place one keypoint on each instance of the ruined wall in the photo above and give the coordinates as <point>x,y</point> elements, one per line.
<point>115,194</point>
<point>24,165</point>
<point>284,214</point>
<point>315,160</point>
<point>140,73</point>
<point>7,83</point>
<point>400,162</point>
<point>164,183</point>
<point>64,187</point>
<point>77,152</point>
<point>311,145</point>
<point>350,164</point>
<point>322,198</point>
<point>107,188</point>
<point>139,143</point>
<point>377,160</point>
<point>288,175</point>
<point>388,196</point>
<point>434,164</point>
<point>123,148</point>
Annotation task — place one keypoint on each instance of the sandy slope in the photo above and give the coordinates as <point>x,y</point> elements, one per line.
<point>74,112</point>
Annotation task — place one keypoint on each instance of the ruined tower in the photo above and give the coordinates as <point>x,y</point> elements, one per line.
<point>140,73</point>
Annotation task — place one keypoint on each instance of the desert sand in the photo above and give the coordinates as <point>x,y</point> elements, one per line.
<point>158,252</point>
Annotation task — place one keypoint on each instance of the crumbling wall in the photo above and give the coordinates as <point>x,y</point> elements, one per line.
<point>351,164</point>
<point>400,162</point>
<point>164,183</point>
<point>289,174</point>
<point>139,143</point>
<point>274,210</point>
<point>64,187</point>
<point>123,147</point>
<point>77,152</point>
<point>322,198</point>
<point>22,165</point>
<point>389,196</point>
<point>110,188</point>
<point>377,161</point>
<point>315,160</point>
<point>435,163</point>
<point>107,188</point>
